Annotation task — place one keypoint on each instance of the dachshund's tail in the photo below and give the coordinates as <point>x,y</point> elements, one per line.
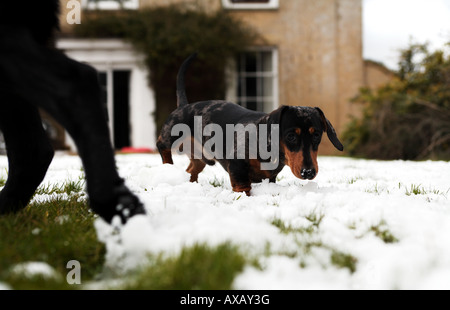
<point>181,91</point>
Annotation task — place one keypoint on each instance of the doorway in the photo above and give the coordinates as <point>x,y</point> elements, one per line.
<point>116,100</point>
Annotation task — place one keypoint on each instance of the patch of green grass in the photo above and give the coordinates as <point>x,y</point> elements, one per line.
<point>22,281</point>
<point>343,260</point>
<point>352,226</point>
<point>308,239</point>
<point>354,179</point>
<point>53,231</point>
<point>2,181</point>
<point>315,219</point>
<point>279,178</point>
<point>67,187</point>
<point>216,182</point>
<point>415,190</point>
<point>59,230</point>
<point>199,267</point>
<point>382,232</point>
<point>375,190</point>
<point>420,190</point>
<point>288,229</point>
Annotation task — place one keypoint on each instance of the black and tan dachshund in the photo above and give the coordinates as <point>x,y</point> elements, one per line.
<point>34,76</point>
<point>296,141</point>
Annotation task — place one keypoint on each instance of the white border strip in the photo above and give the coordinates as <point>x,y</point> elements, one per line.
<point>110,5</point>
<point>271,5</point>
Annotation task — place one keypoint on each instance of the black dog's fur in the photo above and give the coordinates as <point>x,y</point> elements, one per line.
<point>34,76</point>
<point>301,131</point>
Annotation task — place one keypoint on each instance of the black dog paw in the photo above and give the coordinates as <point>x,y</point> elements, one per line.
<point>128,205</point>
<point>121,203</point>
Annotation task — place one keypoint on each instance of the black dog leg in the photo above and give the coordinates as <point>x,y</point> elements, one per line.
<point>82,114</point>
<point>70,92</point>
<point>29,153</point>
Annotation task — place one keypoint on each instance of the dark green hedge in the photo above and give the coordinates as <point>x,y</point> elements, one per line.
<point>166,36</point>
<point>408,118</point>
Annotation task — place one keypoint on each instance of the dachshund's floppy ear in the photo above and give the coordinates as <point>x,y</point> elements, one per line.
<point>331,133</point>
<point>275,116</point>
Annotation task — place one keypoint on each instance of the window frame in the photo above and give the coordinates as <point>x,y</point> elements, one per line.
<point>271,5</point>
<point>237,74</point>
<point>116,54</point>
<point>110,4</point>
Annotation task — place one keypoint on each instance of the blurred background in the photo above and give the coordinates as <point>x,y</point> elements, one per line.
<point>379,69</point>
<point>390,26</point>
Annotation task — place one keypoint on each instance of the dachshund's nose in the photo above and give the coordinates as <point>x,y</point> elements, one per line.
<point>308,174</point>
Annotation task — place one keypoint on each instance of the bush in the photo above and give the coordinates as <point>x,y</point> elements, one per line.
<point>169,34</point>
<point>409,118</point>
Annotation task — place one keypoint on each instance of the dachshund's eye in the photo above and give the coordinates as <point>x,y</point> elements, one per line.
<point>291,137</point>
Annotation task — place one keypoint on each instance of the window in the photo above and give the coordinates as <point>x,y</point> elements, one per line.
<point>126,95</point>
<point>257,80</point>
<point>116,99</point>
<point>110,4</point>
<point>250,4</point>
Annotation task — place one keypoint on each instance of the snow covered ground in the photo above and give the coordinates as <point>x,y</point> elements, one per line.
<point>389,219</point>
